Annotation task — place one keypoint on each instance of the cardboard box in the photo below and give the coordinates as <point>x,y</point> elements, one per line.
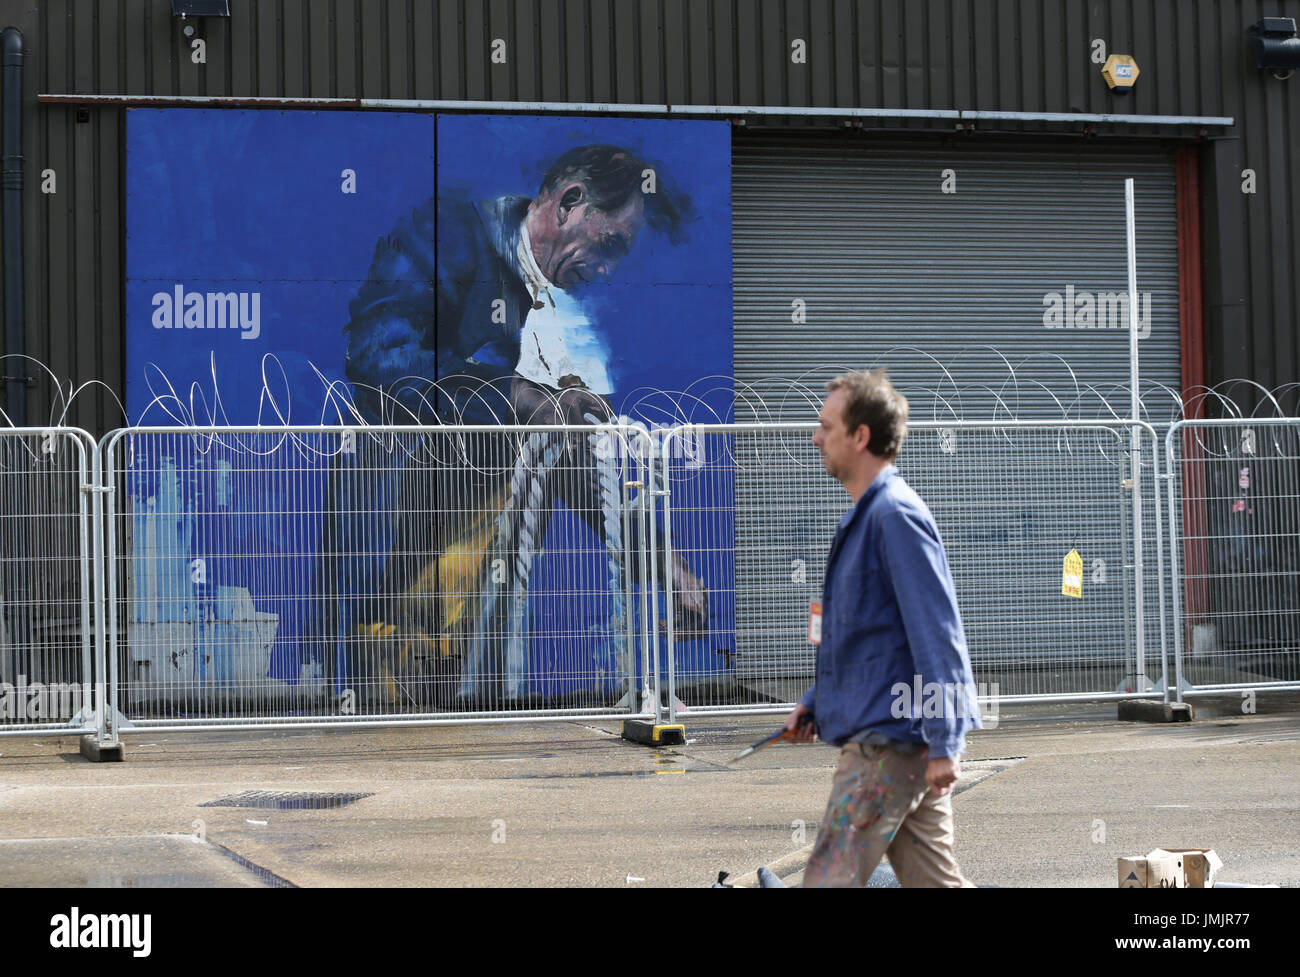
<point>1170,868</point>
<point>1132,873</point>
<point>1159,870</point>
<point>1200,865</point>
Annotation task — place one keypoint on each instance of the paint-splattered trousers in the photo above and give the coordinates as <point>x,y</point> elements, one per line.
<point>880,803</point>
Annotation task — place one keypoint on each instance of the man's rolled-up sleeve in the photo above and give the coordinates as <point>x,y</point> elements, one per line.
<point>809,698</point>
<point>927,601</point>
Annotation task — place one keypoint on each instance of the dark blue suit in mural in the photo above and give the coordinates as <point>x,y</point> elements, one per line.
<point>420,278</point>
<point>467,296</point>
<point>381,566</point>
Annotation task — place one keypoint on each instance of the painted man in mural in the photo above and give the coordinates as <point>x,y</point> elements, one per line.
<point>487,297</point>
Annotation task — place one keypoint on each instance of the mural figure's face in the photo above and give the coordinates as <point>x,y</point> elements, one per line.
<point>574,243</point>
<point>841,449</point>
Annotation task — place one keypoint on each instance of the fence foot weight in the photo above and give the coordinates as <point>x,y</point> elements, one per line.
<point>650,734</point>
<point>1152,711</point>
<point>109,751</point>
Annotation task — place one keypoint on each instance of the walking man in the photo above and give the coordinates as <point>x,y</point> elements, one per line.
<point>893,687</point>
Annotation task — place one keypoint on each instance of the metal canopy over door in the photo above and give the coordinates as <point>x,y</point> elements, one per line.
<point>988,277</point>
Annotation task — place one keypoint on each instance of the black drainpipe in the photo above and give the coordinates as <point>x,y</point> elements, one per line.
<point>14,368</point>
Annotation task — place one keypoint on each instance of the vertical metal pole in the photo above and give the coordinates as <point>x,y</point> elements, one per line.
<point>17,544</point>
<point>1175,534</point>
<point>1160,562</point>
<point>653,494</point>
<point>14,368</point>
<point>666,494</point>
<point>87,484</point>
<point>106,586</point>
<point>648,596</point>
<point>1125,515</point>
<point>1143,683</point>
<point>628,664</point>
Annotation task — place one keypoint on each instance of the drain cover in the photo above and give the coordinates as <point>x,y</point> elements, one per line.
<point>286,800</point>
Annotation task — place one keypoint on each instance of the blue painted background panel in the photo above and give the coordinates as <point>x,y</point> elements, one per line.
<point>253,243</point>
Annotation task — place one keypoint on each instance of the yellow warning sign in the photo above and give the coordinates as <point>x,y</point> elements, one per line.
<point>1072,576</point>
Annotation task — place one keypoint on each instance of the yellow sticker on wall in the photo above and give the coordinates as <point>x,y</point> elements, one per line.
<point>1072,576</point>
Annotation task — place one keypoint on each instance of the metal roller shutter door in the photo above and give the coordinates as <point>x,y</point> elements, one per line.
<point>881,259</point>
<point>948,290</point>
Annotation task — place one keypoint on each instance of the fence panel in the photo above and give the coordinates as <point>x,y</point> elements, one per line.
<point>48,681</point>
<point>1234,491</point>
<point>376,576</point>
<point>263,577</point>
<point>751,505</point>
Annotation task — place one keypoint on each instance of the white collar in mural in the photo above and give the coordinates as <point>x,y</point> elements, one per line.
<point>558,346</point>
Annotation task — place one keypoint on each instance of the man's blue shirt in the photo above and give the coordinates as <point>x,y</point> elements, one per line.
<point>893,657</point>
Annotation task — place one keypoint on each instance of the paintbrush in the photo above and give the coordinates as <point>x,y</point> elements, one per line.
<point>780,734</point>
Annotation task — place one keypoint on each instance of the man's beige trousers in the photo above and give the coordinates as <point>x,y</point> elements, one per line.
<point>881,803</point>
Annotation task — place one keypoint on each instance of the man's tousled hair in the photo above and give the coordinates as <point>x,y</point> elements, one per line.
<point>612,175</point>
<point>872,400</point>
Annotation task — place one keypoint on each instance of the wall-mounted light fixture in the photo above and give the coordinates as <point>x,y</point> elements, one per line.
<point>1276,46</point>
<point>198,8</point>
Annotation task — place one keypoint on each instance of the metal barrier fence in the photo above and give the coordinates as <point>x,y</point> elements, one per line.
<point>265,577</point>
<point>377,576</point>
<point>48,680</point>
<point>752,505</point>
<point>1234,500</point>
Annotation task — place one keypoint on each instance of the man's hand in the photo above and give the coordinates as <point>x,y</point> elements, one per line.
<point>690,602</point>
<point>801,726</point>
<point>941,773</point>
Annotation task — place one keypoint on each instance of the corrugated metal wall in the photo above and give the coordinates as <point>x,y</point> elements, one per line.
<point>1026,55</point>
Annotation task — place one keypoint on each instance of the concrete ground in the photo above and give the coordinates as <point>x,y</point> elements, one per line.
<point>1051,797</point>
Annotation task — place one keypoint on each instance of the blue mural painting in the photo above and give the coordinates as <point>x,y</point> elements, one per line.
<point>360,268</point>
